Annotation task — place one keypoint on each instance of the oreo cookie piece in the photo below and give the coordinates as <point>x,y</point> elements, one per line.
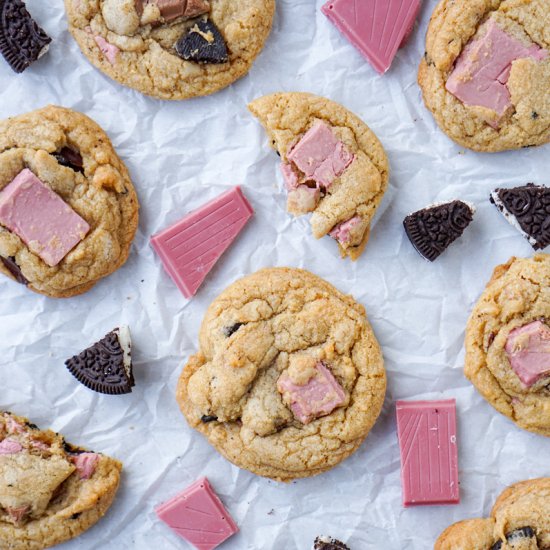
<point>70,158</point>
<point>22,41</point>
<point>106,367</point>
<point>527,208</point>
<point>14,269</point>
<point>228,331</point>
<point>328,543</point>
<point>432,229</point>
<point>521,539</point>
<point>203,43</point>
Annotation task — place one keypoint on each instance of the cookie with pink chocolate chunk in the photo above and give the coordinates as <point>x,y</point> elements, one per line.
<point>50,490</point>
<point>508,342</point>
<point>486,73</point>
<point>289,378</point>
<point>332,165</point>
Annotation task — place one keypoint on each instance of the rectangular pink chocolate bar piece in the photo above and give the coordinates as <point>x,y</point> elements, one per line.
<point>190,248</point>
<point>429,454</point>
<point>198,516</point>
<point>377,28</point>
<point>40,218</point>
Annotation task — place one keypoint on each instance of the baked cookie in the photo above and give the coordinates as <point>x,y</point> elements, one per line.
<point>50,491</point>
<point>486,72</point>
<point>332,163</point>
<point>171,49</point>
<point>68,210</point>
<point>520,520</point>
<point>289,378</point>
<point>508,342</point>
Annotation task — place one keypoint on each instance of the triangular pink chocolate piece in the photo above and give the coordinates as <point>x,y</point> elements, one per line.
<point>190,248</point>
<point>377,28</point>
<point>198,516</point>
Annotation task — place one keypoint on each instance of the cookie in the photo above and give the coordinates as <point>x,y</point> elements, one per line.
<point>486,72</point>
<point>174,49</point>
<point>289,377</point>
<point>50,491</point>
<point>333,165</point>
<point>520,520</point>
<point>508,342</point>
<point>328,543</point>
<point>68,210</point>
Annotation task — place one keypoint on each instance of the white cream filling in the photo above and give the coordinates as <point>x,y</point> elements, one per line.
<point>125,341</point>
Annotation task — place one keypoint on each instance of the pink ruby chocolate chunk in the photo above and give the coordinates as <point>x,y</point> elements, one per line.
<point>85,464</point>
<point>10,447</point>
<point>318,397</point>
<point>320,155</point>
<point>482,71</point>
<point>528,349</point>
<point>345,232</point>
<point>40,218</point>
<point>110,51</point>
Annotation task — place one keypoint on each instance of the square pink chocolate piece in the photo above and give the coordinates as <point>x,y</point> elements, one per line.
<point>429,454</point>
<point>377,28</point>
<point>40,218</point>
<point>190,248</point>
<point>198,516</point>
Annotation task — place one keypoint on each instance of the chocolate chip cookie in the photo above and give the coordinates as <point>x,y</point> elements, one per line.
<point>171,49</point>
<point>68,210</point>
<point>333,165</point>
<point>289,378</point>
<point>486,72</point>
<point>508,342</point>
<point>520,520</point>
<point>50,491</point>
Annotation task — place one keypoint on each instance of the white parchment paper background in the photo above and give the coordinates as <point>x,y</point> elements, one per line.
<point>181,154</point>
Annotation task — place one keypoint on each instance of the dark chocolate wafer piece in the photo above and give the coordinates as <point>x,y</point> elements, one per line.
<point>203,43</point>
<point>328,543</point>
<point>22,41</point>
<point>527,208</point>
<point>106,366</point>
<point>11,265</point>
<point>432,229</point>
<point>523,538</point>
<point>70,158</point>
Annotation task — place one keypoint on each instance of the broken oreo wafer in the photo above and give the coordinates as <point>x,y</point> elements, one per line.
<point>22,41</point>
<point>11,265</point>
<point>106,367</point>
<point>432,229</point>
<point>519,538</point>
<point>527,208</point>
<point>328,543</point>
<point>203,43</point>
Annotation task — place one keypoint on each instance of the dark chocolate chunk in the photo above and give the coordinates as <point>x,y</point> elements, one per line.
<point>517,538</point>
<point>14,269</point>
<point>208,418</point>
<point>434,228</point>
<point>70,158</point>
<point>76,515</point>
<point>328,543</point>
<point>106,366</point>
<point>22,41</point>
<point>203,43</point>
<point>228,331</point>
<point>528,209</point>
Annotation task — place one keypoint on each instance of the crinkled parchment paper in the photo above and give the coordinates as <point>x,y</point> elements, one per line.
<point>181,154</point>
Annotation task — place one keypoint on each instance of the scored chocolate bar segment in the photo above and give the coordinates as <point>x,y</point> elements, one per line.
<point>190,248</point>
<point>22,41</point>
<point>429,454</point>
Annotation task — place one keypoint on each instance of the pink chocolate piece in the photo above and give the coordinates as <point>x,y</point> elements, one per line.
<point>377,28</point>
<point>85,464</point>
<point>17,514</point>
<point>528,349</point>
<point>110,51</point>
<point>46,224</point>
<point>481,72</point>
<point>172,9</point>
<point>343,232</point>
<point>198,516</point>
<point>290,177</point>
<point>190,248</point>
<point>318,397</point>
<point>320,155</point>
<point>10,447</point>
<point>13,426</point>
<point>429,454</point>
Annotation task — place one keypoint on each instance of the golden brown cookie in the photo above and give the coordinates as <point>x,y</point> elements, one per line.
<point>486,72</point>
<point>508,342</point>
<point>173,49</point>
<point>520,520</point>
<point>73,157</point>
<point>333,165</point>
<point>50,491</point>
<point>289,377</point>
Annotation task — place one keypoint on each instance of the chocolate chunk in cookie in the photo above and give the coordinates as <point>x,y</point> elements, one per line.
<point>432,229</point>
<point>22,41</point>
<point>520,539</point>
<point>328,543</point>
<point>527,208</point>
<point>70,158</point>
<point>228,331</point>
<point>106,367</point>
<point>203,43</point>
<point>11,265</point>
